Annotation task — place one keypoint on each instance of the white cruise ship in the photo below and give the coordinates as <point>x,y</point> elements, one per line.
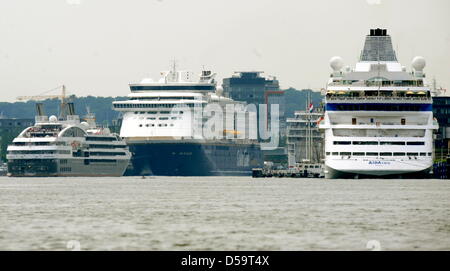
<point>378,118</point>
<point>165,134</point>
<point>65,146</point>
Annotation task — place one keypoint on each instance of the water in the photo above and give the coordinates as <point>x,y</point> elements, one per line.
<point>223,213</point>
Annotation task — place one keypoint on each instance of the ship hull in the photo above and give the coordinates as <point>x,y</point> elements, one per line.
<point>194,159</point>
<point>67,168</point>
<point>369,169</point>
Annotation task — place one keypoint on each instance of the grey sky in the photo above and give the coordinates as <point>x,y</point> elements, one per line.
<point>96,47</point>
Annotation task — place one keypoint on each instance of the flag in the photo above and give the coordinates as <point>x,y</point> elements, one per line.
<point>310,107</point>
<point>319,120</point>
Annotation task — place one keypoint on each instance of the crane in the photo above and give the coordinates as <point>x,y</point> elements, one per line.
<point>40,97</point>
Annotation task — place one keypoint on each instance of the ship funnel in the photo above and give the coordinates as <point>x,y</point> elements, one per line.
<point>40,109</point>
<point>378,47</point>
<point>70,109</point>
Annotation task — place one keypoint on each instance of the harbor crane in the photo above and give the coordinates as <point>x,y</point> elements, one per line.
<point>41,97</point>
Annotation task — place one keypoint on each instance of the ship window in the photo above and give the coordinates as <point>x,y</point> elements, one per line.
<point>386,154</point>
<point>42,143</point>
<point>423,154</point>
<point>98,138</point>
<point>342,142</point>
<point>152,112</point>
<point>346,153</point>
<point>415,143</point>
<point>163,118</point>
<point>413,154</point>
<point>74,132</point>
<point>171,124</point>
<point>174,118</point>
<point>328,153</point>
<point>372,154</point>
<point>151,118</point>
<point>146,125</point>
<point>164,112</point>
<point>107,153</point>
<point>365,143</point>
<point>153,125</point>
<point>392,143</point>
<point>429,154</point>
<point>140,125</point>
<point>136,112</point>
<point>335,153</point>
<point>358,154</point>
<point>399,154</point>
<point>160,125</point>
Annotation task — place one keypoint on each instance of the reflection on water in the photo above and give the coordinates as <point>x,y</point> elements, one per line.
<point>223,213</point>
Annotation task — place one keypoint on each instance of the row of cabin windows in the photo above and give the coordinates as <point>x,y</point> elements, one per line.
<point>162,98</point>
<point>98,138</point>
<point>41,152</point>
<point>102,146</point>
<point>400,143</point>
<point>378,107</point>
<point>57,143</point>
<point>156,112</point>
<point>65,169</point>
<point>159,125</point>
<point>107,153</point>
<point>402,121</point>
<point>164,118</point>
<point>378,154</point>
<point>151,105</point>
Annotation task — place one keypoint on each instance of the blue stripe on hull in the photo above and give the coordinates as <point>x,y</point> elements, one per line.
<point>377,107</point>
<point>191,159</point>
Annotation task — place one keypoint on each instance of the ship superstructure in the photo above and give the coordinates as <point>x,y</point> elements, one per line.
<point>65,146</point>
<point>163,123</point>
<point>378,117</point>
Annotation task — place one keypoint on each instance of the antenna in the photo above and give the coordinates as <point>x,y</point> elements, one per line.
<point>174,67</point>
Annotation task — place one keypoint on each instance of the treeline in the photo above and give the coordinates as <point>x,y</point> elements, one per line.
<point>102,106</point>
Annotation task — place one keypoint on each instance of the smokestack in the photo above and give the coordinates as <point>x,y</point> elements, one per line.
<point>40,109</point>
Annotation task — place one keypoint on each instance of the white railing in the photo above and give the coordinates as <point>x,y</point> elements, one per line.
<point>378,98</point>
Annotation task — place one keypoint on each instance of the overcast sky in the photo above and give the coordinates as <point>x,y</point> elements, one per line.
<point>97,47</point>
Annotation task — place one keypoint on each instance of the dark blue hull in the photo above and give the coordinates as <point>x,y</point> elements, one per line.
<point>194,159</point>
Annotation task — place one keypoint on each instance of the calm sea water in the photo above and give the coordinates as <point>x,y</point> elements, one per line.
<point>223,213</point>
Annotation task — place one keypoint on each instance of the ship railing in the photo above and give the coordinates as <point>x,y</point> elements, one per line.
<point>377,98</point>
<point>380,123</point>
<point>406,83</point>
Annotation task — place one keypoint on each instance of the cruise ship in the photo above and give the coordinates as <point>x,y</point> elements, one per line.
<point>65,146</point>
<point>378,118</point>
<point>164,131</point>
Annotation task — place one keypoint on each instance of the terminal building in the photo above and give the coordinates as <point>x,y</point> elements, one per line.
<point>441,111</point>
<point>9,129</point>
<point>251,87</point>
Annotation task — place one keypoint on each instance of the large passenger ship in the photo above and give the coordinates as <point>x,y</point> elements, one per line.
<point>65,146</point>
<point>378,120</point>
<point>166,137</point>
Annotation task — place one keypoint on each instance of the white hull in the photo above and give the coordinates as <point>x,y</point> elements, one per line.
<point>349,168</point>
